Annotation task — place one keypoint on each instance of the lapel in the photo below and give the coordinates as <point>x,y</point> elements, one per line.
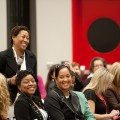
<point>74,106</point>
<point>75,101</point>
<point>11,60</point>
<point>29,60</point>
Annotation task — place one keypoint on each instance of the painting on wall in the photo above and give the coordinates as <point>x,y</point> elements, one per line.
<point>96,30</point>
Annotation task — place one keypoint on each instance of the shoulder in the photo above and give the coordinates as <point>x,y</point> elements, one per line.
<point>6,52</point>
<point>22,99</point>
<point>79,94</point>
<point>89,91</point>
<point>53,94</point>
<point>110,91</point>
<point>90,94</point>
<point>28,52</point>
<point>21,102</point>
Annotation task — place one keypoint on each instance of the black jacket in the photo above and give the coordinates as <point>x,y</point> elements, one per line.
<point>60,108</point>
<point>8,66</point>
<point>24,109</point>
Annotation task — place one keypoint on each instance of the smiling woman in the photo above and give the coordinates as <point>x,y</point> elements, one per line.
<point>61,102</point>
<point>26,101</point>
<point>17,57</point>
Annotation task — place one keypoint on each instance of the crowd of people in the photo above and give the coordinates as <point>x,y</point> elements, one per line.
<point>70,93</point>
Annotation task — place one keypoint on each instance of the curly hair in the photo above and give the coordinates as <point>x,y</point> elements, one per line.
<point>4,97</point>
<point>15,31</point>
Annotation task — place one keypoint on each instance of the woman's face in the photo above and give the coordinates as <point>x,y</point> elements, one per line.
<point>28,85</point>
<point>21,41</point>
<point>97,64</point>
<point>64,80</point>
<point>77,70</point>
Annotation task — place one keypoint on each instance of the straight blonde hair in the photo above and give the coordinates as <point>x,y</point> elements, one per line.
<point>100,81</point>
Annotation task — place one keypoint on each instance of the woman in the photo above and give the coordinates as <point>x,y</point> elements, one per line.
<point>27,106</point>
<point>95,64</point>
<point>17,57</point>
<point>78,84</point>
<point>4,98</point>
<point>61,103</point>
<point>50,78</point>
<point>113,94</point>
<point>94,91</point>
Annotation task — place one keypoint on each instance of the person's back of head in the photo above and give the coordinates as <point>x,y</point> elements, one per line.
<point>50,77</point>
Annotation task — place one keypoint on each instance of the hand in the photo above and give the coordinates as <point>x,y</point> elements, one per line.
<point>115,114</point>
<point>116,117</point>
<point>13,80</point>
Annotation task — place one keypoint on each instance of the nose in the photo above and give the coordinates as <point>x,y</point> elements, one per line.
<point>65,79</point>
<point>26,39</point>
<point>31,83</point>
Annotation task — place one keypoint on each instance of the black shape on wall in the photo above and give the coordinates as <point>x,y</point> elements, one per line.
<point>18,13</point>
<point>104,35</point>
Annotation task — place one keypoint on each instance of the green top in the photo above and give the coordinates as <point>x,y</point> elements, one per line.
<point>84,106</point>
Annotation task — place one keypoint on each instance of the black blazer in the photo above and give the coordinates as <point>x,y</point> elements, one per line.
<point>60,108</point>
<point>24,108</point>
<point>8,66</point>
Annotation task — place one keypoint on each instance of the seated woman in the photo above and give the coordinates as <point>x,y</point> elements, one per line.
<point>4,98</point>
<point>27,106</point>
<point>61,102</point>
<point>113,94</point>
<point>100,81</point>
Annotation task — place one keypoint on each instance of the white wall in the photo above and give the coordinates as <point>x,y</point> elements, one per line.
<point>53,33</point>
<point>3,25</point>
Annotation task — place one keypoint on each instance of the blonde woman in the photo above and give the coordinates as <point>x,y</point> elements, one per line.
<point>100,81</point>
<point>4,98</point>
<point>113,94</point>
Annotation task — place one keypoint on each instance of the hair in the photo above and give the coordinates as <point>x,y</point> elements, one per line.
<point>73,64</point>
<point>100,81</point>
<point>59,67</point>
<point>23,73</point>
<point>94,59</point>
<point>15,31</point>
<point>4,97</point>
<point>66,63</point>
<point>115,70</point>
<point>50,76</point>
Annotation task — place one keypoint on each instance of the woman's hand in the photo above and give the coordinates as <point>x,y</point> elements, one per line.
<point>115,114</point>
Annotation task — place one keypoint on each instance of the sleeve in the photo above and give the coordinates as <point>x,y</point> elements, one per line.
<point>52,106</point>
<point>21,111</point>
<point>112,99</point>
<point>2,62</point>
<point>90,95</point>
<point>84,107</point>
<point>41,87</point>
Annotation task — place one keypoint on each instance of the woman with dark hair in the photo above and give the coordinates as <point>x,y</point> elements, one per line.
<point>27,106</point>
<point>50,78</point>
<point>95,64</point>
<point>61,102</point>
<point>17,57</point>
